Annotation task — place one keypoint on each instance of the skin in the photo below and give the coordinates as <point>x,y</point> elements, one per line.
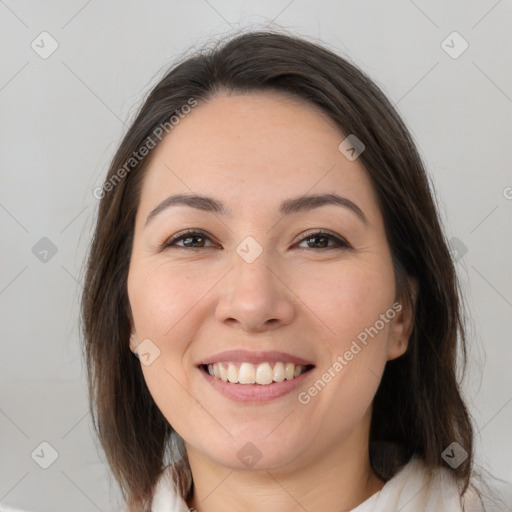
<point>252,151</point>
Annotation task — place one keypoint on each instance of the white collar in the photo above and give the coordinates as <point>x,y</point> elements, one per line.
<point>412,489</point>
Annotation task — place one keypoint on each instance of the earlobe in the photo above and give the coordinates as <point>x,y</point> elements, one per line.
<point>403,323</point>
<point>133,344</point>
<point>396,349</point>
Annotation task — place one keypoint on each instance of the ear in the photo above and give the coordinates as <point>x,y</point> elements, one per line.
<point>133,341</point>
<point>403,322</point>
<point>133,334</point>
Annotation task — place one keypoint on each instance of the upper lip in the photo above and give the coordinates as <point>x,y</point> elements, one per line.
<point>254,357</point>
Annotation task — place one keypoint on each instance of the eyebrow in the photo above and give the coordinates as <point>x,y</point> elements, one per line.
<point>287,207</point>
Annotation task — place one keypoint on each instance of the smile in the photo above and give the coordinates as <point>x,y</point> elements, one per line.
<point>255,376</point>
<point>264,373</point>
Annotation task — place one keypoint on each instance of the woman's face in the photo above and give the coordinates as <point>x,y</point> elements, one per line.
<point>251,284</point>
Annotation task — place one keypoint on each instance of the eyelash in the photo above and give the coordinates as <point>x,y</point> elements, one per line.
<point>171,242</point>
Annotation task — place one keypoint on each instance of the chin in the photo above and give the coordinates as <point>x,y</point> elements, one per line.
<point>253,452</point>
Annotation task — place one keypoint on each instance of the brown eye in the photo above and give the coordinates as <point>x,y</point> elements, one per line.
<point>320,240</point>
<point>190,239</point>
<point>197,240</point>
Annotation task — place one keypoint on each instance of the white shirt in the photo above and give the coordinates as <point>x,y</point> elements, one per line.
<point>410,490</point>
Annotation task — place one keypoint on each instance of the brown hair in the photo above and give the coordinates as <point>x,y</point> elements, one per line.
<point>418,408</point>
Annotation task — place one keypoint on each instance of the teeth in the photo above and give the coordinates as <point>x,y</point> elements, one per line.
<point>232,373</point>
<point>248,373</point>
<point>279,374</point>
<point>222,371</point>
<point>264,374</point>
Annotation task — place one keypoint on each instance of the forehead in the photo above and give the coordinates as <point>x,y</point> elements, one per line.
<point>253,150</point>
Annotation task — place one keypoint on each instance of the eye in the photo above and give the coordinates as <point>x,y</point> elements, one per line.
<point>321,239</point>
<point>194,239</point>
<point>190,238</point>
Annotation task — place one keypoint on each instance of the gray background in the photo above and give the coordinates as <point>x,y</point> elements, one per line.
<point>62,117</point>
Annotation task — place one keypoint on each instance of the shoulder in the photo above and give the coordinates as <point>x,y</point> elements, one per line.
<point>416,487</point>
<point>165,496</point>
<point>438,489</point>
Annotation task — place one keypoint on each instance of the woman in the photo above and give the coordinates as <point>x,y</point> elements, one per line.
<point>268,247</point>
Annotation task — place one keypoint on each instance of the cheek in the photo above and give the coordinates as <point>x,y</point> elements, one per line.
<point>165,301</point>
<point>349,304</point>
<point>350,299</point>
<point>160,298</point>
<point>162,301</point>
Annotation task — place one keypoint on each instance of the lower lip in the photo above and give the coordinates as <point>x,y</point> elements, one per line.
<point>255,392</point>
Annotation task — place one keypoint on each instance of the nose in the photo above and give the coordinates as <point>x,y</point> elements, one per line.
<point>255,297</point>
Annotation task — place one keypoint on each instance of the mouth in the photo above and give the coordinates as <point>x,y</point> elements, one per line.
<point>255,376</point>
<point>262,374</point>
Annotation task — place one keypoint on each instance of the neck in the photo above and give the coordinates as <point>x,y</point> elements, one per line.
<point>338,479</point>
